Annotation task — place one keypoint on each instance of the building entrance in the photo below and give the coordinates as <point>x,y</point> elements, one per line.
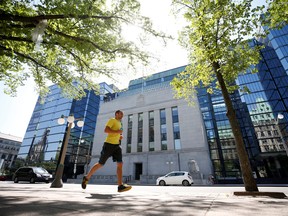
<point>138,170</point>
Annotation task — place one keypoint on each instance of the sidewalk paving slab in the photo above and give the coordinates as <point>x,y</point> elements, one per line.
<point>26,199</point>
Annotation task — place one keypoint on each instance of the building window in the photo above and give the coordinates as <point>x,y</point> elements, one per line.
<point>176,130</point>
<point>151,131</point>
<point>140,132</point>
<point>163,129</point>
<point>175,114</point>
<point>162,116</point>
<point>129,133</point>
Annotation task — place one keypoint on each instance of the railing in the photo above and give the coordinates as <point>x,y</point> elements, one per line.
<point>109,178</point>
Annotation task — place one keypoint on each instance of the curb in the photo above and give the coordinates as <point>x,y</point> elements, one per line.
<point>279,195</point>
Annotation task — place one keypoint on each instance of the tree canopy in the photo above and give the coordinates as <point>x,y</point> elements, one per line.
<point>67,41</point>
<point>217,31</point>
<point>277,13</point>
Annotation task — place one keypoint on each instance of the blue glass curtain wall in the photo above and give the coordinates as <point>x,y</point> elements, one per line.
<point>219,134</point>
<point>81,138</point>
<point>44,137</point>
<point>264,133</point>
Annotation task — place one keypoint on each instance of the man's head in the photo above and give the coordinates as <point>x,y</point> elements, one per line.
<point>119,114</point>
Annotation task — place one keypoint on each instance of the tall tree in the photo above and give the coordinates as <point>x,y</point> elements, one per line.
<point>216,37</point>
<point>67,41</point>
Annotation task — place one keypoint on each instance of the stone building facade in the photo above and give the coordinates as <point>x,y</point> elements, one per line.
<point>161,134</point>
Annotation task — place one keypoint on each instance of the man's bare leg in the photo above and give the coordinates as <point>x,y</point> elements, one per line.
<point>93,169</point>
<point>119,173</point>
<point>121,187</point>
<point>88,176</point>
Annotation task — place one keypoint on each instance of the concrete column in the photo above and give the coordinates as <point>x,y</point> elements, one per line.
<point>134,133</point>
<point>169,128</point>
<point>145,141</point>
<point>157,137</point>
<point>125,132</point>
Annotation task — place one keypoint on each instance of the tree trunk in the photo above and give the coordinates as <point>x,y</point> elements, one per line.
<point>249,181</point>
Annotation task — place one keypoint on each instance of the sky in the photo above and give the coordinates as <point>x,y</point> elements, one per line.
<point>16,112</point>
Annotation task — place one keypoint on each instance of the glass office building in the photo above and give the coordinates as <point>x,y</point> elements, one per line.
<point>278,40</point>
<point>262,114</point>
<point>268,105</point>
<point>219,133</point>
<point>44,137</point>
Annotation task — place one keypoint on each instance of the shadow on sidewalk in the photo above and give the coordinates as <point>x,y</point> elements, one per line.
<point>102,196</point>
<point>32,200</point>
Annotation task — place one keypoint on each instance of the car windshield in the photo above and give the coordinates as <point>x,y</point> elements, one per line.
<point>40,170</point>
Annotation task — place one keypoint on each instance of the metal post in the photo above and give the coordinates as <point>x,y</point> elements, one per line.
<point>58,183</point>
<point>77,155</point>
<point>88,157</point>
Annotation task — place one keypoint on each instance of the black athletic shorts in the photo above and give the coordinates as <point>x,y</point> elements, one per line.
<point>110,150</point>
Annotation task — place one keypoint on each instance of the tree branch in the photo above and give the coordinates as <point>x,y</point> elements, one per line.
<point>183,4</point>
<point>35,19</point>
<point>11,25</point>
<point>79,39</point>
<point>32,60</point>
<point>11,38</point>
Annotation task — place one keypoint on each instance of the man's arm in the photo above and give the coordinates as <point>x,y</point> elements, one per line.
<point>109,130</point>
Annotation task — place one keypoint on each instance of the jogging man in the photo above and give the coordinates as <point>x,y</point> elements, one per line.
<point>111,148</point>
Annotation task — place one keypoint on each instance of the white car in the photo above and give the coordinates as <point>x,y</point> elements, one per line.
<point>175,178</point>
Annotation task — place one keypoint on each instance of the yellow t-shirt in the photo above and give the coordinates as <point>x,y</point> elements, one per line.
<point>114,124</point>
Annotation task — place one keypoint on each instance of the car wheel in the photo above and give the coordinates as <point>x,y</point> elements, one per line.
<point>16,180</point>
<point>32,180</point>
<point>185,183</point>
<point>162,183</point>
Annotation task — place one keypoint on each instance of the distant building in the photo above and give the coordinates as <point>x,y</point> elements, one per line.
<point>44,137</point>
<point>9,147</point>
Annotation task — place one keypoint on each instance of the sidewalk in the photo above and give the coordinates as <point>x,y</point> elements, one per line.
<point>26,199</point>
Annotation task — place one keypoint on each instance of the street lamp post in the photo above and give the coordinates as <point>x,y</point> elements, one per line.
<point>77,154</point>
<point>88,157</point>
<point>279,117</point>
<point>57,183</point>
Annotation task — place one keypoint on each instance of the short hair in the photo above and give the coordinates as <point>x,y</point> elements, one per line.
<point>118,111</point>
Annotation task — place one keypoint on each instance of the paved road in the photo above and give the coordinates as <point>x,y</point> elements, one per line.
<point>26,199</point>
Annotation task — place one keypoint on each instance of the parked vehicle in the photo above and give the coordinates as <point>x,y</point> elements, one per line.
<point>3,177</point>
<point>175,178</point>
<point>32,174</point>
